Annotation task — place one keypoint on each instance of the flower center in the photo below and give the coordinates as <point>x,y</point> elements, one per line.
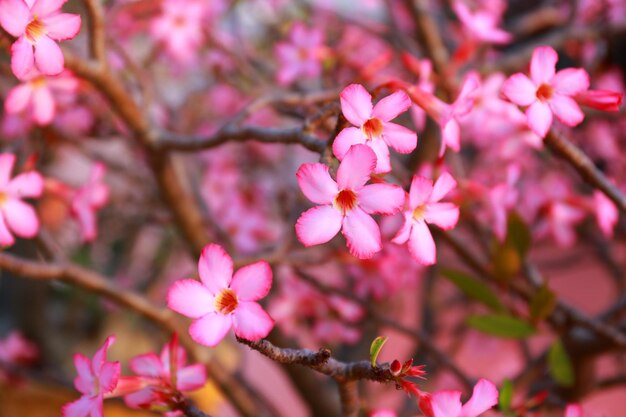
<point>373,128</point>
<point>3,198</point>
<point>419,212</point>
<point>544,92</point>
<point>345,200</point>
<point>35,30</point>
<point>226,301</point>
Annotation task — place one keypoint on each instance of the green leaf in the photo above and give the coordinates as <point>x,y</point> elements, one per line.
<point>542,304</point>
<point>506,395</point>
<point>502,325</point>
<point>560,365</point>
<point>475,289</point>
<point>376,347</point>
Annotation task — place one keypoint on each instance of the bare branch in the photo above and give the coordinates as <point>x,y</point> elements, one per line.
<point>97,37</point>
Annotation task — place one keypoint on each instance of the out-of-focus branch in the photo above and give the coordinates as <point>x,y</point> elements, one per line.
<point>565,149</point>
<point>349,395</point>
<point>97,37</point>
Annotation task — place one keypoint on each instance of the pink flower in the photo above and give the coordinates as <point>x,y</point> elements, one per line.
<point>222,300</point>
<point>96,378</point>
<point>547,92</point>
<point>374,127</point>
<point>36,95</point>
<point>600,99</point>
<point>301,56</point>
<point>180,28</point>
<point>164,376</point>
<point>448,403</point>
<point>15,215</point>
<point>424,207</point>
<point>347,203</point>
<point>86,201</point>
<point>606,213</point>
<point>36,24</point>
<point>481,24</point>
<point>15,351</point>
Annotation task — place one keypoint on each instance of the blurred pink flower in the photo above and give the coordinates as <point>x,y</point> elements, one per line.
<point>37,24</point>
<point>448,403</point>
<point>574,410</point>
<point>606,213</point>
<point>600,99</point>
<point>15,215</point>
<point>96,378</point>
<point>546,92</point>
<point>180,28</point>
<point>15,351</point>
<point>346,204</point>
<point>87,199</point>
<point>481,24</point>
<point>221,300</point>
<point>301,56</point>
<point>424,207</point>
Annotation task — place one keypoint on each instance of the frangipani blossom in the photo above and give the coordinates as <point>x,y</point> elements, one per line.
<point>448,403</point>
<point>346,204</point>
<point>87,199</point>
<point>221,300</point>
<point>424,207</point>
<point>96,378</point>
<point>301,56</point>
<point>547,92</point>
<point>37,24</point>
<point>15,215</point>
<point>374,125</point>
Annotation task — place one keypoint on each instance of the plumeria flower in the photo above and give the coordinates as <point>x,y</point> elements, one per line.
<point>481,25</point>
<point>221,300</point>
<point>547,92</point>
<point>424,208</point>
<point>180,28</point>
<point>301,56</point>
<point>88,199</point>
<point>37,95</point>
<point>374,125</point>
<point>346,204</point>
<point>448,403</point>
<point>37,24</point>
<point>15,215</point>
<point>96,378</point>
<point>165,377</point>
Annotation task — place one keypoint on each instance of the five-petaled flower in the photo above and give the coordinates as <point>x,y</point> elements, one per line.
<point>424,207</point>
<point>547,92</point>
<point>301,56</point>
<point>448,403</point>
<point>222,300</point>
<point>37,24</point>
<point>346,204</point>
<point>374,125</point>
<point>96,378</point>
<point>15,215</point>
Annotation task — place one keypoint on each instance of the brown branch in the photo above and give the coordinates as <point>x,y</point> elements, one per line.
<point>565,149</point>
<point>349,395</point>
<point>97,37</point>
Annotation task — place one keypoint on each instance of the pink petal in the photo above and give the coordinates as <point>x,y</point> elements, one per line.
<point>391,106</point>
<point>316,183</point>
<point>519,89</point>
<point>79,408</point>
<point>403,234</point>
<point>251,322</point>
<point>6,238</point>
<point>215,267</point>
<point>142,398</point>
<point>252,282</point>
<point>383,163</point>
<point>464,103</point>
<point>21,218</point>
<point>109,375</point>
<point>190,298</point>
<point>446,403</point>
<point>450,137</point>
<point>27,184</point>
<point>539,118</point>
<point>22,58</point>
<point>381,198</point>
<point>43,106</point>
<point>356,104</point>
<point>574,410</point>
<point>356,168</point>
<point>7,160</point>
<point>484,396</point>
<point>87,221</point>
<point>420,192</point>
<point>570,81</point>
<point>345,139</point>
<point>606,212</point>
<point>399,137</point>
<point>543,64</point>
<point>147,364</point>
<point>444,184</point>
<point>43,8</point>
<point>210,329</point>
<point>566,110</point>
<point>48,56</point>
<point>84,382</point>
<point>62,26</point>
<point>318,225</point>
<point>444,215</point>
<point>14,17</point>
<point>18,98</point>
<point>100,357</point>
<point>191,377</point>
<point>362,234</point>
<point>421,244</point>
